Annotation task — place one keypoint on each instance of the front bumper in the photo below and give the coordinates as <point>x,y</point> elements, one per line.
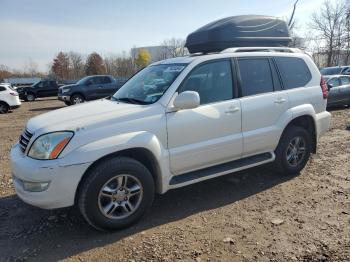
<point>63,98</point>
<point>63,179</point>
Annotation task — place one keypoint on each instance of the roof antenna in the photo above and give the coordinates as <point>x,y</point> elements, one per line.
<point>291,23</point>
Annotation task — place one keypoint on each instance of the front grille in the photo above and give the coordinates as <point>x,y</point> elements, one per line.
<point>24,139</point>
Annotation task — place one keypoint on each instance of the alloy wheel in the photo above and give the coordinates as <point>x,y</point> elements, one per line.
<point>120,196</point>
<point>296,151</point>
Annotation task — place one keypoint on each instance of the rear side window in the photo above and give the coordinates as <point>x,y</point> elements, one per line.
<point>256,77</point>
<point>294,71</point>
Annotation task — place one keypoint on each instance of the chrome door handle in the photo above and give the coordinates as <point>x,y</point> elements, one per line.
<point>280,101</point>
<point>231,110</point>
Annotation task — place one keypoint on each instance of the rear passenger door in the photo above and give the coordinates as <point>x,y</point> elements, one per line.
<point>345,88</point>
<point>263,104</point>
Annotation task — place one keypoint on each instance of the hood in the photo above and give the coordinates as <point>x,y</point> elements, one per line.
<point>67,86</point>
<point>88,115</point>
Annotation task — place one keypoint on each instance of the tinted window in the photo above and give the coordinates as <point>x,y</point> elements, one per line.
<point>345,80</point>
<point>107,80</point>
<point>255,76</point>
<point>212,81</point>
<point>294,71</point>
<point>2,88</point>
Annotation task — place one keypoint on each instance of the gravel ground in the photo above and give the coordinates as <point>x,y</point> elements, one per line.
<point>255,215</point>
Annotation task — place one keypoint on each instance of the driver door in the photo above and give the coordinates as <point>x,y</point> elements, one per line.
<point>211,133</point>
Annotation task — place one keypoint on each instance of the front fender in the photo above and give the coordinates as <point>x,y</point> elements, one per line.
<point>91,152</point>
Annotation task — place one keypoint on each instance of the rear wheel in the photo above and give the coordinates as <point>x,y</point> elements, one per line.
<point>4,108</point>
<point>76,99</point>
<point>116,193</point>
<point>30,97</point>
<point>293,150</point>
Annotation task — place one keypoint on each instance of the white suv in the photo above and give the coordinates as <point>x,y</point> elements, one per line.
<point>9,98</point>
<point>175,123</point>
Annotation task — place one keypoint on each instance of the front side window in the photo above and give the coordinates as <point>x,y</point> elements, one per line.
<point>294,71</point>
<point>256,77</point>
<point>212,81</point>
<point>107,80</point>
<point>333,82</point>
<point>345,80</point>
<point>149,85</point>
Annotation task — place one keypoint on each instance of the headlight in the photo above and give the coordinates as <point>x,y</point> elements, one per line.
<point>65,90</point>
<point>49,146</point>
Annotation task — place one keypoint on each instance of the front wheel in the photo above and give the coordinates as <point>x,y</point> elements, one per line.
<point>116,193</point>
<point>30,97</point>
<point>293,150</point>
<point>76,99</point>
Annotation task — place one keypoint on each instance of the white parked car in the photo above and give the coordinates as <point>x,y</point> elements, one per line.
<point>177,122</point>
<point>9,98</point>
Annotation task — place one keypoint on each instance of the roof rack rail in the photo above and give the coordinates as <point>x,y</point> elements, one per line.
<point>262,49</point>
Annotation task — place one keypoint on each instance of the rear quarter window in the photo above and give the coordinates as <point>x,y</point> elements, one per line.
<point>294,72</point>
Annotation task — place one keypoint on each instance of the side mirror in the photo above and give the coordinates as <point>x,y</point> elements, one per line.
<point>330,86</point>
<point>187,100</point>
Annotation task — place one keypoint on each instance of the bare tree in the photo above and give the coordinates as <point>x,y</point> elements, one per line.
<point>329,23</point>
<point>30,67</point>
<point>76,65</point>
<point>173,47</point>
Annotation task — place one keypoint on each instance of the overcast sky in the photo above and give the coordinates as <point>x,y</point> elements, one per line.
<point>39,29</point>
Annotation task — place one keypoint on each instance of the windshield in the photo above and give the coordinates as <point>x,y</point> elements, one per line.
<point>81,81</point>
<point>148,85</point>
<point>330,71</point>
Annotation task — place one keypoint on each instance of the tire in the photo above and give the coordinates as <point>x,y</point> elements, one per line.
<point>30,97</point>
<point>105,200</point>
<point>4,108</point>
<point>67,103</point>
<point>76,99</point>
<point>290,160</point>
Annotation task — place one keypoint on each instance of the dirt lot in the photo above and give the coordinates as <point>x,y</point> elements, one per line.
<point>255,215</point>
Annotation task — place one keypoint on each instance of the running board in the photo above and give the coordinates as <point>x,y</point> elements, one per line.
<point>222,169</point>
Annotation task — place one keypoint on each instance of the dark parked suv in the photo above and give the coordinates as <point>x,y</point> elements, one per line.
<point>43,88</point>
<point>88,88</point>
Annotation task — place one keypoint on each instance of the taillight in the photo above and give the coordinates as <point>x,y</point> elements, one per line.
<point>324,88</point>
<point>14,94</point>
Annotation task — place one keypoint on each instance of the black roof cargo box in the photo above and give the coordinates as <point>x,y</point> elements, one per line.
<point>239,31</point>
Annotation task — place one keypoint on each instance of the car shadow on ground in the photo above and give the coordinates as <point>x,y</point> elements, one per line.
<point>46,108</point>
<point>62,233</point>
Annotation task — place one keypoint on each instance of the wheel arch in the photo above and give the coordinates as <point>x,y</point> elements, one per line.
<point>78,93</point>
<point>141,154</point>
<point>4,102</point>
<point>307,122</point>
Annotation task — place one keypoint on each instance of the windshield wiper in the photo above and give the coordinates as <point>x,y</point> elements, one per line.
<point>131,100</point>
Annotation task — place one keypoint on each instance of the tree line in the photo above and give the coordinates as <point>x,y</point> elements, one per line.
<point>327,37</point>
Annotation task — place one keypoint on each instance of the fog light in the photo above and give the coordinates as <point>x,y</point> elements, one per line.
<point>35,186</point>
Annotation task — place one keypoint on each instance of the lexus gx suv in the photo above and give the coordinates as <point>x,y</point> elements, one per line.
<point>176,122</point>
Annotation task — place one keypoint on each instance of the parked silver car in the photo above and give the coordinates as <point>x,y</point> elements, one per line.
<point>339,90</point>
